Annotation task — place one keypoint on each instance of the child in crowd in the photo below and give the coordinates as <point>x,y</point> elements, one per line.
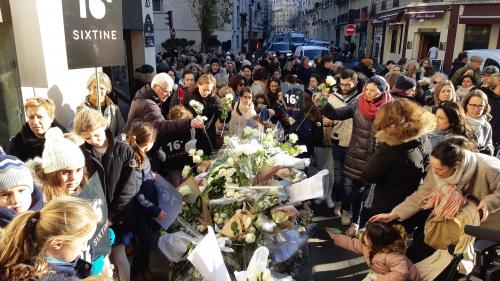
<point>49,240</point>
<point>169,153</point>
<point>61,172</point>
<point>241,113</point>
<point>383,246</point>
<point>18,194</point>
<point>114,161</point>
<point>141,138</point>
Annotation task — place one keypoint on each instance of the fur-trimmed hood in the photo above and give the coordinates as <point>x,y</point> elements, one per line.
<point>407,131</point>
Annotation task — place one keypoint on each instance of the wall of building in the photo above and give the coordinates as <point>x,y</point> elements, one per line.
<point>41,55</point>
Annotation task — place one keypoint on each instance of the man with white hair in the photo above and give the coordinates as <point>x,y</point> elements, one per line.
<point>146,107</point>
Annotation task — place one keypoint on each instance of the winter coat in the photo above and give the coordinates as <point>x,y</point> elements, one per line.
<point>456,65</point>
<point>342,130</point>
<point>483,134</point>
<point>7,215</point>
<point>484,187</point>
<point>398,164</point>
<point>146,200</point>
<point>212,109</point>
<point>238,122</point>
<point>145,107</point>
<point>169,152</point>
<point>494,101</point>
<point>388,266</point>
<point>258,88</point>
<point>116,172</point>
<point>362,143</point>
<point>26,145</point>
<point>304,74</point>
<point>110,111</point>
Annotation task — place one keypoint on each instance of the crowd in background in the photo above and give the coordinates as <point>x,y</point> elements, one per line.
<point>391,140</point>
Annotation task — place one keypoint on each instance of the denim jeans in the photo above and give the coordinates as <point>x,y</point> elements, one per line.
<point>355,193</point>
<point>339,153</point>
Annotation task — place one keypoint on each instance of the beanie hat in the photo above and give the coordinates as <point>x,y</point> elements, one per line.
<point>162,67</point>
<point>367,62</point>
<point>476,59</point>
<point>60,153</point>
<point>13,172</point>
<point>380,82</point>
<point>405,83</point>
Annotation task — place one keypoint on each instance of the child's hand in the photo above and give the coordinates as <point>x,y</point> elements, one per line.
<point>161,216</point>
<point>332,232</point>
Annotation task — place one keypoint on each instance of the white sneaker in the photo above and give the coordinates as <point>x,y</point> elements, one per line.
<point>353,230</point>
<point>337,209</point>
<point>345,219</point>
<point>329,203</point>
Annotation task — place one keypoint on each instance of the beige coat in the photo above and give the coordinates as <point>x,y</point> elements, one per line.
<point>485,186</point>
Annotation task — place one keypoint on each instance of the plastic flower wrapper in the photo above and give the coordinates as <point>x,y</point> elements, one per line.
<point>285,243</point>
<point>176,245</point>
<point>257,268</point>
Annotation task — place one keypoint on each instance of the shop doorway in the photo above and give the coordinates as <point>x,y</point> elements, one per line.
<point>11,113</point>
<point>427,40</point>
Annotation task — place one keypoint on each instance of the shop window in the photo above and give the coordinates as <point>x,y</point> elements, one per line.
<point>477,37</point>
<point>395,3</point>
<point>394,40</point>
<point>158,5</point>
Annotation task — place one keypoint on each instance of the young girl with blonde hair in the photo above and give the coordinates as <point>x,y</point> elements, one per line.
<point>49,240</point>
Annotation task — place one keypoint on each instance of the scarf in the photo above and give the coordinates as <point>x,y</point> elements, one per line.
<point>476,124</point>
<point>448,196</point>
<point>370,109</point>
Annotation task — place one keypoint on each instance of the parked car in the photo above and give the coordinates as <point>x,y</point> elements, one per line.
<point>282,47</point>
<point>319,43</point>
<point>311,52</point>
<point>490,56</point>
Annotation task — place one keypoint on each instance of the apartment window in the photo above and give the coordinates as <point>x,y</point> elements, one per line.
<point>477,37</point>
<point>394,40</point>
<point>374,9</point>
<point>158,5</point>
<point>395,3</point>
<point>383,5</point>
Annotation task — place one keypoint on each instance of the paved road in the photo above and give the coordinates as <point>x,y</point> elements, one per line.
<point>325,261</point>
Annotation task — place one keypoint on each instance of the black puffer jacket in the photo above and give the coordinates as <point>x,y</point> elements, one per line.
<point>26,145</point>
<point>362,143</point>
<point>116,171</point>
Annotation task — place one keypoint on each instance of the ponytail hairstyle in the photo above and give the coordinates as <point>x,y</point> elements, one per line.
<point>384,238</point>
<point>30,234</point>
<point>140,135</point>
<point>451,151</point>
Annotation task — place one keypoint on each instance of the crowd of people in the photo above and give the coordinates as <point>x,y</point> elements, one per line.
<point>409,150</point>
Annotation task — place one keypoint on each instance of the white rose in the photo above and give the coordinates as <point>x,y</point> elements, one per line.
<point>229,98</point>
<point>186,171</point>
<point>330,80</point>
<point>230,193</point>
<point>199,152</point>
<point>192,152</point>
<point>226,139</point>
<point>201,228</point>
<point>250,238</point>
<point>293,138</point>
<point>197,159</point>
<point>185,190</point>
<point>302,148</point>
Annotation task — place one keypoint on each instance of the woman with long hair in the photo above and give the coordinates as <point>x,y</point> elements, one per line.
<point>451,121</point>
<point>477,110</point>
<point>49,240</point>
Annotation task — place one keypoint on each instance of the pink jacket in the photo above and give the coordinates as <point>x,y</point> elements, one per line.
<point>388,266</point>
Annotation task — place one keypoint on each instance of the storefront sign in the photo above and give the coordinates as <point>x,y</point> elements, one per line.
<point>94,33</point>
<point>149,35</point>
<point>424,13</point>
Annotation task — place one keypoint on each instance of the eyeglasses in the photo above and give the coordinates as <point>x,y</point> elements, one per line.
<point>476,106</point>
<point>164,91</point>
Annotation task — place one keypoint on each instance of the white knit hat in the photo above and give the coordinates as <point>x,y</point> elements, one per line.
<point>60,153</point>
